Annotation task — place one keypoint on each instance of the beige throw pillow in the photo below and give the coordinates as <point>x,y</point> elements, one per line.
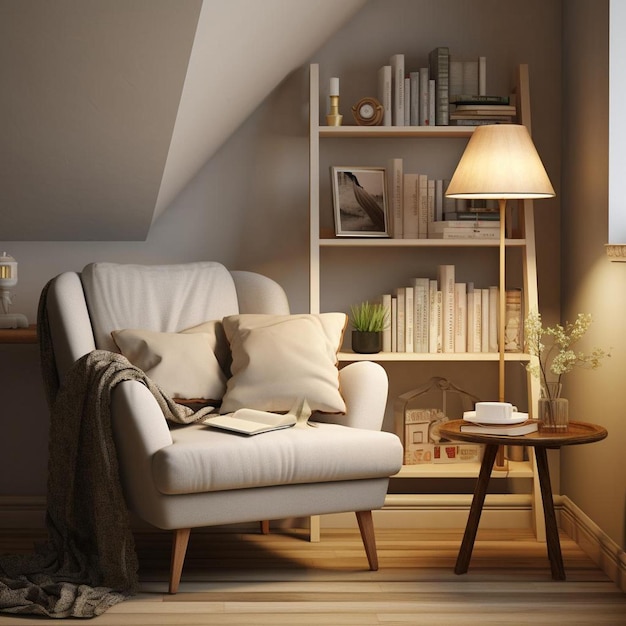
<point>277,359</point>
<point>183,364</point>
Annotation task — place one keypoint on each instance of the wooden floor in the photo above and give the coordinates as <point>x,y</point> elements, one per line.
<point>281,578</point>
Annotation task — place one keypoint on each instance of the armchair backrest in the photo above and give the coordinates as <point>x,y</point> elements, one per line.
<point>84,308</point>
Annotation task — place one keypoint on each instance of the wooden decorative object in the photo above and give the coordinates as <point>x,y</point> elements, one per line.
<point>368,112</point>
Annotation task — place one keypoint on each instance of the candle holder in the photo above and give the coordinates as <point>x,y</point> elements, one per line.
<point>334,118</point>
<point>8,279</point>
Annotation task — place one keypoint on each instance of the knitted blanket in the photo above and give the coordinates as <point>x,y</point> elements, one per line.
<point>88,562</point>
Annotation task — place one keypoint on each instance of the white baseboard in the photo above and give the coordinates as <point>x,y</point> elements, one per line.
<point>605,552</point>
<point>422,511</point>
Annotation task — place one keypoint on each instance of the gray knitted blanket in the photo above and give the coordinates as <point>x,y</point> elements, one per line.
<point>88,562</point>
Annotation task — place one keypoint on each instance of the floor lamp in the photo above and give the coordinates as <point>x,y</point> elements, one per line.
<point>500,163</point>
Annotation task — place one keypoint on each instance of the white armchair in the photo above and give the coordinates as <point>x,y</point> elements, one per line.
<point>178,478</point>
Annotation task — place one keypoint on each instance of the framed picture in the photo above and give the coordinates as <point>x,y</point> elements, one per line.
<point>360,201</point>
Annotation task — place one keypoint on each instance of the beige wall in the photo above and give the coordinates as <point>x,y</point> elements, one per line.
<point>248,206</point>
<point>592,476</point>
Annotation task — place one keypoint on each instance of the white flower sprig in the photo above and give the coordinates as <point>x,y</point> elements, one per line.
<point>559,357</point>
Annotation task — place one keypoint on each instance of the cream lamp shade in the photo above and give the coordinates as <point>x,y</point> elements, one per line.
<point>500,162</point>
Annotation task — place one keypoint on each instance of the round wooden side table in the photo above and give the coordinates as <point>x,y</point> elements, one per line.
<point>577,433</point>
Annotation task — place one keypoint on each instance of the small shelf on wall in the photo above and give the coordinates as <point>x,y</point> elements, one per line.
<point>19,335</point>
<point>337,242</point>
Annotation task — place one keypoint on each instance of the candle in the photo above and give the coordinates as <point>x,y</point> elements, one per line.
<point>334,86</point>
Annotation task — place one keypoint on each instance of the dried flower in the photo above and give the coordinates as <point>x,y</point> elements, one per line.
<point>559,357</point>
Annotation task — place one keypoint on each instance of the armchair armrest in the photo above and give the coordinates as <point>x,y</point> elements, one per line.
<point>364,387</point>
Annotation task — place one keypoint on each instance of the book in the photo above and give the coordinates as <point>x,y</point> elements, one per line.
<point>407,101</point>
<point>460,317</point>
<point>410,206</point>
<point>493,318</point>
<point>478,99</point>
<point>424,97</point>
<point>527,427</point>
<point>434,318</point>
<point>446,285</point>
<point>466,233</point>
<point>397,87</point>
<point>384,93</point>
<point>400,319</point>
<point>464,224</point>
<point>486,109</point>
<point>395,183</point>
<point>439,60</point>
<point>484,320</point>
<point>422,214</point>
<point>414,114</point>
<point>409,322</point>
<point>421,291</point>
<point>251,421</point>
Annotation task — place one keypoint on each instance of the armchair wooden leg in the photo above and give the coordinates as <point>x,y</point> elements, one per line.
<point>179,549</point>
<point>366,526</point>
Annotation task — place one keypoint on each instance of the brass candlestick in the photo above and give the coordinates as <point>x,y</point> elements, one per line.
<point>334,118</point>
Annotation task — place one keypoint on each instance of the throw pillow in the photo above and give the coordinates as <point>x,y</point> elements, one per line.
<point>183,364</point>
<point>277,359</point>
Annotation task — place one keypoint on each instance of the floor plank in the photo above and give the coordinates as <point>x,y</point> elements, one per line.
<point>282,579</point>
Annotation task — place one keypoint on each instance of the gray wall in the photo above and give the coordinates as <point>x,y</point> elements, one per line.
<point>248,208</point>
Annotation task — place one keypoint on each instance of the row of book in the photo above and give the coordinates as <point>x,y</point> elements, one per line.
<point>443,315</point>
<point>419,209</point>
<point>443,91</point>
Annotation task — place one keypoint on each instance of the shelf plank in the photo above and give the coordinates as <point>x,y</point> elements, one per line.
<point>514,469</point>
<point>428,356</point>
<point>373,242</point>
<point>439,132</point>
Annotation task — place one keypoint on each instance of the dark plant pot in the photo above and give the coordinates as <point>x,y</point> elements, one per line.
<point>366,342</point>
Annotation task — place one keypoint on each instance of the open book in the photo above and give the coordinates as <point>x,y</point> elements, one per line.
<point>251,421</point>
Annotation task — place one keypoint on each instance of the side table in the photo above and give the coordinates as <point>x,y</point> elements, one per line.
<point>577,433</point>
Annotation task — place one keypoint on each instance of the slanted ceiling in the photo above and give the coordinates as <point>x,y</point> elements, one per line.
<point>110,107</point>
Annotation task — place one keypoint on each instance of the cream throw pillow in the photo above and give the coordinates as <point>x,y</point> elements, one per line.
<point>277,359</point>
<point>183,364</point>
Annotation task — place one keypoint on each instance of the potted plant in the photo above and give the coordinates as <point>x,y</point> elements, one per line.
<point>368,322</point>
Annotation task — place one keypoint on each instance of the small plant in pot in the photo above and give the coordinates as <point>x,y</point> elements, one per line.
<point>368,321</point>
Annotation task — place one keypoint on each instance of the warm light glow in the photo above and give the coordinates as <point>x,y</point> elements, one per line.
<point>500,162</point>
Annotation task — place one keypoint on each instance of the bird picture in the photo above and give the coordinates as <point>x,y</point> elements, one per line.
<point>360,196</point>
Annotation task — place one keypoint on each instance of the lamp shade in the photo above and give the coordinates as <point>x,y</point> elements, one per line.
<point>500,162</point>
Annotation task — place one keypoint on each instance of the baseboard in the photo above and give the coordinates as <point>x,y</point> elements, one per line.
<point>415,511</point>
<point>605,552</point>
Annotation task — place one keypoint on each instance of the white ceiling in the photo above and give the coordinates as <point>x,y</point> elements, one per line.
<point>110,107</point>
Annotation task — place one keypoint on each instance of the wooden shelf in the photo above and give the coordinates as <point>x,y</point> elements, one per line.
<point>439,356</point>
<point>19,335</point>
<point>373,242</point>
<point>514,469</point>
<point>378,132</point>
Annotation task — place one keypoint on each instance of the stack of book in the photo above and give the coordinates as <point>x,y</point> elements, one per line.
<point>421,96</point>
<point>441,314</point>
<point>419,209</point>
<point>476,110</point>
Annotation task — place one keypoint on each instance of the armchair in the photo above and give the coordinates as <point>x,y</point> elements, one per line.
<point>179,478</point>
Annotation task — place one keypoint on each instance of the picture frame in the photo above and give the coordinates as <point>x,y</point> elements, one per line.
<point>360,201</point>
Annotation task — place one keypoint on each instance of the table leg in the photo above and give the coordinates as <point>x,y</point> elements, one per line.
<point>552,531</point>
<point>480,491</point>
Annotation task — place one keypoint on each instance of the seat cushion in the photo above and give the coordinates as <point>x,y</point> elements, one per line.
<point>204,459</point>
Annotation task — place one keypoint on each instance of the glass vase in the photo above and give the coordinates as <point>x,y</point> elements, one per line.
<point>553,413</point>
